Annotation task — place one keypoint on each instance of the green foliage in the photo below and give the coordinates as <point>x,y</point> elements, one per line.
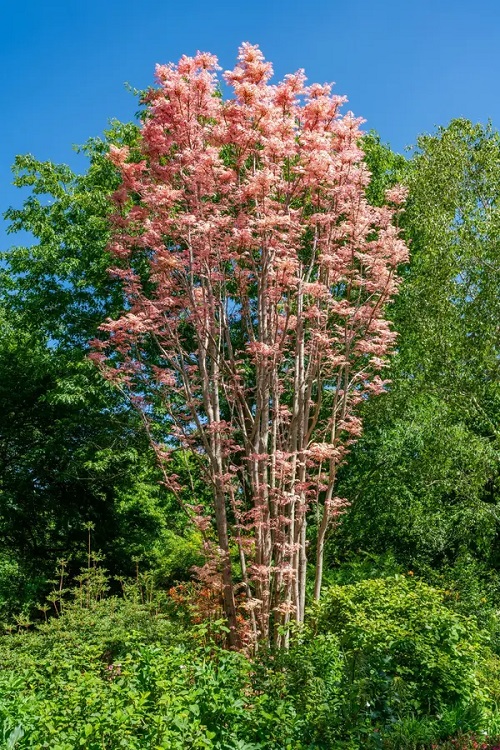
<point>472,589</point>
<point>386,167</point>
<point>60,286</point>
<point>118,672</point>
<point>404,646</point>
<point>386,663</point>
<point>72,450</point>
<point>17,586</point>
<point>417,483</point>
<point>423,480</point>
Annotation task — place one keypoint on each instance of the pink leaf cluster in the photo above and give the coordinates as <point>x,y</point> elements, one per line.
<point>259,325</point>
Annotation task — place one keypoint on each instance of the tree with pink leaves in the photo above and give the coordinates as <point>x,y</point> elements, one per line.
<point>256,276</point>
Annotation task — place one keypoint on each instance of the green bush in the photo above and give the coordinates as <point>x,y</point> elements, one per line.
<point>386,664</point>
<point>119,673</point>
<point>308,679</point>
<point>407,657</point>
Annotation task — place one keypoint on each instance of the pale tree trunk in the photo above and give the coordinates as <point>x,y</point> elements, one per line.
<point>227,576</point>
<point>320,550</point>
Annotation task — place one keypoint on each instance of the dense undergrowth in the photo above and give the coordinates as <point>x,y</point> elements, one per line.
<point>384,662</point>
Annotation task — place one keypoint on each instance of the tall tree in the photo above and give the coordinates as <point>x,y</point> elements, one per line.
<point>424,480</point>
<point>256,276</point>
<point>71,449</point>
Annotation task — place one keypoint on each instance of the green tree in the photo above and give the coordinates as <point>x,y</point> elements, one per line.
<point>424,479</point>
<point>72,450</point>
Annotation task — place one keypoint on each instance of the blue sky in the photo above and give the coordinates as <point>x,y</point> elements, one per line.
<point>405,65</point>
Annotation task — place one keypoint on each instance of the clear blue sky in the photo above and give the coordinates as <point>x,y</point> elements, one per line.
<point>406,65</point>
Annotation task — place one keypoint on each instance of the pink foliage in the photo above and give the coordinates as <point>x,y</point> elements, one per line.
<point>261,327</point>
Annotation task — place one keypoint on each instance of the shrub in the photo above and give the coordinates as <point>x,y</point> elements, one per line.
<point>407,656</point>
<point>118,673</point>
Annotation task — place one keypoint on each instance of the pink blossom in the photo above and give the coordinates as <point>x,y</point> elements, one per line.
<point>397,194</point>
<point>261,329</point>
